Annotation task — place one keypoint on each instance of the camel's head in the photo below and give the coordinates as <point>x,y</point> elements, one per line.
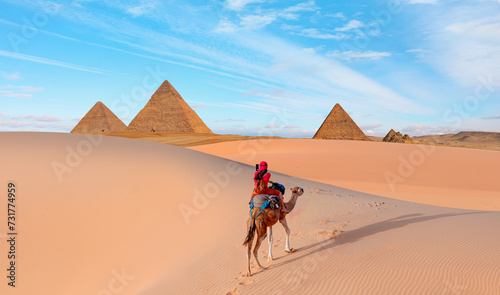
<point>297,190</point>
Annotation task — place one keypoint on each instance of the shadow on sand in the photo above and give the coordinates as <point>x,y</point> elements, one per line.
<point>363,232</point>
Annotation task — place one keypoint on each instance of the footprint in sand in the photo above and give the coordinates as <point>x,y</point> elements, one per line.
<point>336,233</point>
<point>246,283</point>
<point>234,292</point>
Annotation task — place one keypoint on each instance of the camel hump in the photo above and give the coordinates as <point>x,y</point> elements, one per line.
<point>270,201</point>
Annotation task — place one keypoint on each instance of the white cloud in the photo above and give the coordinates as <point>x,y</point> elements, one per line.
<point>12,76</point>
<point>199,106</point>
<point>10,93</point>
<point>272,126</point>
<point>422,1</point>
<point>305,6</point>
<point>46,61</point>
<point>488,27</point>
<point>491,117</point>
<point>418,50</point>
<point>24,88</point>
<point>33,125</point>
<point>17,95</point>
<point>290,13</point>
<point>256,21</point>
<point>351,55</point>
<point>141,9</point>
<point>419,53</point>
<point>468,48</point>
<point>325,77</point>
<point>238,5</point>
<point>337,15</point>
<point>229,120</point>
<point>420,129</point>
<point>226,26</point>
<point>351,25</point>
<point>315,33</point>
<point>43,118</point>
<point>314,50</point>
<point>373,126</point>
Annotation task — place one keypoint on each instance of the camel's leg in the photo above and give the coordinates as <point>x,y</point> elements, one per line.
<point>287,230</point>
<point>260,238</point>
<point>270,240</point>
<point>249,255</point>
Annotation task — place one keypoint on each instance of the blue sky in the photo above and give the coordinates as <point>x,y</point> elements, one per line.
<point>253,66</point>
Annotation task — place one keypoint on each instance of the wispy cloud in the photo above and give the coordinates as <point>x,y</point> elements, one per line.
<point>420,129</point>
<point>491,118</point>
<point>17,89</point>
<point>43,118</point>
<point>33,126</point>
<point>226,26</point>
<point>422,1</point>
<point>290,13</point>
<point>16,95</point>
<point>10,76</point>
<point>142,9</point>
<point>24,88</point>
<point>256,21</point>
<point>351,55</point>
<point>351,25</point>
<point>199,106</point>
<point>238,5</point>
<point>373,126</point>
<point>51,62</point>
<point>315,33</point>
<point>337,15</point>
<point>230,120</point>
<point>468,47</point>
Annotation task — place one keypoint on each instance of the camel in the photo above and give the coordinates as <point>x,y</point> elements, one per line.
<point>262,225</point>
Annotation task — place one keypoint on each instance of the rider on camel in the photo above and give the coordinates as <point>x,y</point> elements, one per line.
<point>261,179</point>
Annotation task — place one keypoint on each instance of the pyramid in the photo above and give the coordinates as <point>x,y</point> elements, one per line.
<point>166,111</point>
<point>339,125</point>
<point>394,136</point>
<point>99,119</point>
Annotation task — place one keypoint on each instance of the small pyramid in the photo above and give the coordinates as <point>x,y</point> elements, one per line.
<point>339,125</point>
<point>99,119</point>
<point>394,136</point>
<point>166,111</point>
<point>389,135</point>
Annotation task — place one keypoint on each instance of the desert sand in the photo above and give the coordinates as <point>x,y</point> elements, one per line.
<point>108,220</point>
<point>443,176</point>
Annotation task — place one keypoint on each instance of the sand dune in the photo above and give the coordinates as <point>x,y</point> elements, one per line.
<point>443,176</point>
<point>112,224</point>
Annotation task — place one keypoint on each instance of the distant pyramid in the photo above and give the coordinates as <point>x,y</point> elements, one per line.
<point>339,125</point>
<point>394,136</point>
<point>166,111</point>
<point>99,119</point>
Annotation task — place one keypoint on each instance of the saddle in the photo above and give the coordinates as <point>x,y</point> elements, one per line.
<point>265,202</point>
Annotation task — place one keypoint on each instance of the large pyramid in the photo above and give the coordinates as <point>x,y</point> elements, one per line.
<point>99,119</point>
<point>166,111</point>
<point>339,125</point>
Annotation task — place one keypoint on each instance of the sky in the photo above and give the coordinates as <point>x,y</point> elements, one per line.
<point>255,67</point>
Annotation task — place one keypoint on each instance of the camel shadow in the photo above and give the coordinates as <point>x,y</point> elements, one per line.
<point>368,230</point>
